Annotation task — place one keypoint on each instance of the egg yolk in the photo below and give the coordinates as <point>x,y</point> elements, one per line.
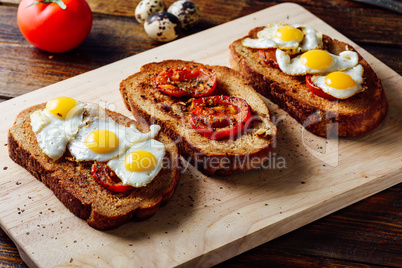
<point>339,80</point>
<point>139,161</point>
<point>289,33</point>
<point>316,59</point>
<point>61,106</point>
<point>102,141</point>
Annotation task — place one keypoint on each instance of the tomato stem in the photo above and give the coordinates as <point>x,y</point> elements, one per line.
<point>59,2</point>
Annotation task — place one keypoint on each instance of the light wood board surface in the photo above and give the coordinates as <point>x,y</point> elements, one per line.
<point>208,220</point>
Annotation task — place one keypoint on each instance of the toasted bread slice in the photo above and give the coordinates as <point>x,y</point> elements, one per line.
<point>221,157</point>
<point>76,188</point>
<point>350,117</point>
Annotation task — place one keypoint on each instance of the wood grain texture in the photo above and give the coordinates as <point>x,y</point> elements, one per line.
<point>373,237</point>
<point>117,35</point>
<point>374,230</point>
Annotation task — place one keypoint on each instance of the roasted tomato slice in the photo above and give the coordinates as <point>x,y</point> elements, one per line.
<point>268,56</point>
<point>107,178</point>
<point>193,81</point>
<point>316,90</point>
<point>219,117</point>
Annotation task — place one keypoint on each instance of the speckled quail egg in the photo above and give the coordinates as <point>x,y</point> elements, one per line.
<point>148,7</point>
<point>162,26</point>
<point>187,12</point>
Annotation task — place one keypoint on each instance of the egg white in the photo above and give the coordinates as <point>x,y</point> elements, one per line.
<point>357,75</point>
<point>345,60</point>
<point>139,179</point>
<point>96,119</point>
<point>266,39</point>
<point>53,133</point>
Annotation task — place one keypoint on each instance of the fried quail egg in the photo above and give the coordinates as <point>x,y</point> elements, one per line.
<point>316,62</point>
<point>341,85</point>
<point>101,138</point>
<point>148,7</point>
<point>57,124</point>
<point>294,38</point>
<point>187,12</point>
<point>162,26</point>
<point>140,164</point>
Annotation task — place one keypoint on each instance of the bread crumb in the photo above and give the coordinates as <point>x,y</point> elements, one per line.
<point>263,133</point>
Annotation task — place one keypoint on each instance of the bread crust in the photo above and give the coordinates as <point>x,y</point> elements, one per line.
<point>73,184</point>
<point>220,157</point>
<point>351,117</point>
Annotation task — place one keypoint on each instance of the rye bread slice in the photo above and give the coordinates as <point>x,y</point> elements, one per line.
<point>75,187</point>
<point>350,117</point>
<point>221,157</point>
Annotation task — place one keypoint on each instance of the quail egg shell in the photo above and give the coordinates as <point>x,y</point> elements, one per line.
<point>148,7</point>
<point>162,26</point>
<point>187,12</point>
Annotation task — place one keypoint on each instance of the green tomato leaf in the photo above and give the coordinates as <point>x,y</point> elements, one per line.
<point>59,2</point>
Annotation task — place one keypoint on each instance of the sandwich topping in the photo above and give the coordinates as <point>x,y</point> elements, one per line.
<point>214,116</point>
<point>298,50</point>
<point>219,117</point>
<point>193,81</point>
<point>338,84</point>
<point>293,38</point>
<point>122,153</point>
<point>108,178</point>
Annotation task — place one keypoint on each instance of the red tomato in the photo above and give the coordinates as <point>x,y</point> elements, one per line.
<point>268,57</point>
<point>316,90</point>
<point>107,178</point>
<point>49,27</point>
<point>219,117</point>
<point>194,81</point>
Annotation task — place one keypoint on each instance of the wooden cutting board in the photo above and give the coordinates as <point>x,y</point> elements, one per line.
<point>208,220</point>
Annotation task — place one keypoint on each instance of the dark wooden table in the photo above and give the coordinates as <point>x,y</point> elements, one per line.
<point>368,233</point>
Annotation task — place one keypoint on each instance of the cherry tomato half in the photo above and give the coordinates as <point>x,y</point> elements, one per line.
<point>268,57</point>
<point>316,90</point>
<point>193,81</point>
<point>219,117</point>
<point>46,25</point>
<point>107,178</point>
